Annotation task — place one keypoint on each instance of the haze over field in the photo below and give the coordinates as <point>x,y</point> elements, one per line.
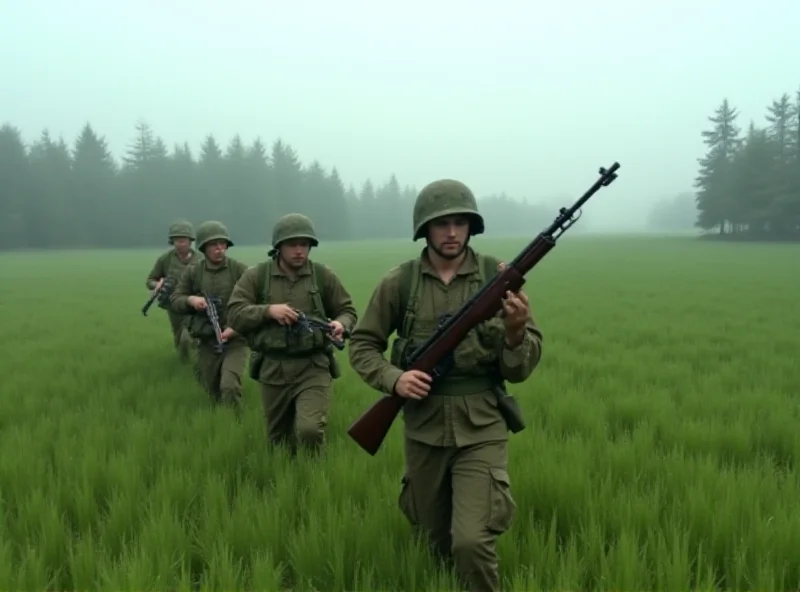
<point>662,448</point>
<point>511,96</point>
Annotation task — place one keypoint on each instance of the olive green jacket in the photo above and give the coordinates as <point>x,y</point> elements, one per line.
<point>170,265</point>
<point>203,277</point>
<point>287,357</point>
<point>464,409</point>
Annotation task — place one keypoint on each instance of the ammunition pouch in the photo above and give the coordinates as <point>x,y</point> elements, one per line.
<point>286,341</point>
<point>200,327</point>
<point>509,408</point>
<point>336,370</point>
<point>256,361</point>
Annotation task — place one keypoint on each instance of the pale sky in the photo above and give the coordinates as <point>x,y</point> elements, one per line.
<point>529,98</point>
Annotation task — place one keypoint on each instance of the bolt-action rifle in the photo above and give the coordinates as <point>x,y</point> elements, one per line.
<point>370,429</point>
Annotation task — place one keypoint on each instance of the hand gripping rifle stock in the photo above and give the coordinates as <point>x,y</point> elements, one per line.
<point>370,429</point>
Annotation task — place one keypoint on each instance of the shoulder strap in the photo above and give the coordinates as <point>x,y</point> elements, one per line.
<point>198,275</point>
<point>487,267</point>
<point>410,282</point>
<point>409,295</point>
<point>316,295</point>
<point>263,296</point>
<point>233,269</point>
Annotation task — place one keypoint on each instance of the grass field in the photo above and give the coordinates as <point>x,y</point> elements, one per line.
<point>660,452</point>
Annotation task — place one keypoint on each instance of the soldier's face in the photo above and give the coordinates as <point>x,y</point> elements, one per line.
<point>295,252</point>
<point>181,244</point>
<point>448,236</point>
<point>215,251</point>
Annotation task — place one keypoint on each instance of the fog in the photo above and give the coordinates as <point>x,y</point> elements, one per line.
<point>522,98</point>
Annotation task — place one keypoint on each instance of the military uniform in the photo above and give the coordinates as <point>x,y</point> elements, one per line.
<point>456,487</point>
<point>219,373</point>
<point>170,267</point>
<point>294,368</point>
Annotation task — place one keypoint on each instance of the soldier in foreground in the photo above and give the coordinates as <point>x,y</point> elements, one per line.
<point>456,487</point>
<point>293,364</point>
<point>208,283</point>
<point>168,269</point>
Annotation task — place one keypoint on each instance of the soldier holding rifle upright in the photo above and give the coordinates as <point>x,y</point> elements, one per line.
<point>456,488</point>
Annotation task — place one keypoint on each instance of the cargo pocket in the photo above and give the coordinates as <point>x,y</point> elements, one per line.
<point>502,505</point>
<point>406,502</point>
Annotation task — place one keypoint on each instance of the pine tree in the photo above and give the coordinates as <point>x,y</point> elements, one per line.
<point>714,179</point>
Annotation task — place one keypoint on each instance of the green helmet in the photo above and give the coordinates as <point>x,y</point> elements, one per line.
<point>446,197</point>
<point>212,230</point>
<point>181,229</point>
<point>294,226</point>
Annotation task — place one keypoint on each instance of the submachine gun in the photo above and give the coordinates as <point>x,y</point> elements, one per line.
<point>307,324</point>
<point>161,294</point>
<point>212,304</point>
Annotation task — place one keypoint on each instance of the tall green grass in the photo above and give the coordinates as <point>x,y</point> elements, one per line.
<point>660,452</point>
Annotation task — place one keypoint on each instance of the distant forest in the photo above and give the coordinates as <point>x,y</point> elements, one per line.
<point>53,195</point>
<point>748,186</point>
<point>80,196</point>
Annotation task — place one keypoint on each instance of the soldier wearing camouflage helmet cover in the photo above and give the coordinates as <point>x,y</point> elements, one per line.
<point>456,487</point>
<point>168,269</point>
<point>294,368</point>
<point>214,276</point>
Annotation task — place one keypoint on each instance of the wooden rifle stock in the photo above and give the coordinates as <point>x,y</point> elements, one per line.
<point>370,429</point>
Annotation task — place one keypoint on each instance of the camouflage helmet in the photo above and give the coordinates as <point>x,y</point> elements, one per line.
<point>210,231</point>
<point>181,229</point>
<point>294,226</point>
<point>446,197</point>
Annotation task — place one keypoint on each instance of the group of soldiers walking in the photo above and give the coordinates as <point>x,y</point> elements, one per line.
<point>456,486</point>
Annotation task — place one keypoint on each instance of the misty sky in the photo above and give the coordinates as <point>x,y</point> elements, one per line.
<point>523,97</point>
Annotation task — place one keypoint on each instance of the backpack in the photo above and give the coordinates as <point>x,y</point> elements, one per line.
<point>410,275</point>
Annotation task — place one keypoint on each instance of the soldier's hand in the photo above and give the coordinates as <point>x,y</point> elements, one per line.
<point>516,313</point>
<point>413,384</point>
<point>159,283</point>
<point>282,313</point>
<point>227,334</point>
<point>337,330</point>
<point>196,302</point>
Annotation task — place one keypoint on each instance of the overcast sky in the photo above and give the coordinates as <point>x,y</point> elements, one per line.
<point>523,97</point>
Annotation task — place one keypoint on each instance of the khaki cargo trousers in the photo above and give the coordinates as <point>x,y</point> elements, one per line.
<point>460,499</point>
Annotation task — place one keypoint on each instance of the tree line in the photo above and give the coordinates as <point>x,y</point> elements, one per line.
<point>748,184</point>
<point>56,195</point>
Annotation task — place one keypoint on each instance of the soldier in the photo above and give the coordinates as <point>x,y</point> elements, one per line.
<point>214,277</point>
<point>168,268</point>
<point>456,487</point>
<point>295,367</point>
